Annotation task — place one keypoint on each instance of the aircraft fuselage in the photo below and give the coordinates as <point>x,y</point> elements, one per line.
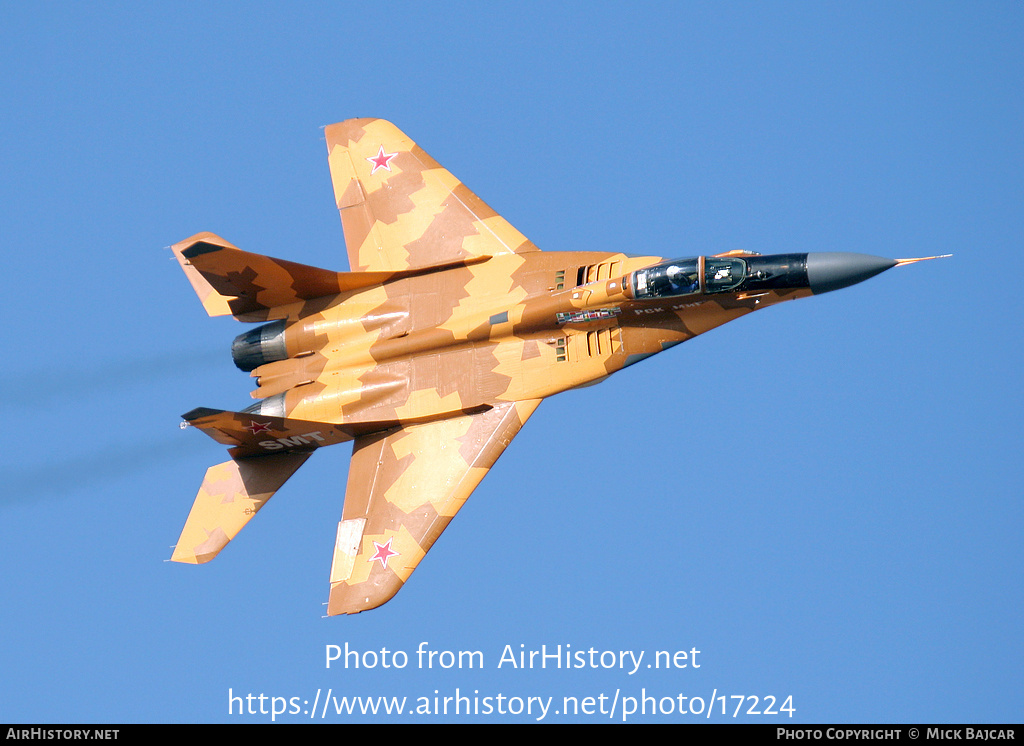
<point>514,327</point>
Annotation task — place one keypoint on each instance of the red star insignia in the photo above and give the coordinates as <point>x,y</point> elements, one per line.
<point>384,551</point>
<point>258,427</point>
<point>381,160</point>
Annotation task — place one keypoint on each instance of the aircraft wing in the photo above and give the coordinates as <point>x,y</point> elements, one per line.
<point>404,487</point>
<point>400,209</point>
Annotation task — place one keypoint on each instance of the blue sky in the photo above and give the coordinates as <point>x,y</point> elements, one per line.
<point>824,499</point>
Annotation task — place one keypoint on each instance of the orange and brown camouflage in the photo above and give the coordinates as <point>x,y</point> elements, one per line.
<point>434,350</point>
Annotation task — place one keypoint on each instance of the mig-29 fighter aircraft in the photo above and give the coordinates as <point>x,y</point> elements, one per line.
<point>434,350</point>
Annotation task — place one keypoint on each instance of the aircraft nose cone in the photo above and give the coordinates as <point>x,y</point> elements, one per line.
<point>831,270</point>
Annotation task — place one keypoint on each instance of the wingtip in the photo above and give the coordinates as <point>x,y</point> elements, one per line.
<point>345,598</point>
<point>347,132</point>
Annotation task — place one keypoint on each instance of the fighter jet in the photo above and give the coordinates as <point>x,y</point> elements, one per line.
<point>434,350</point>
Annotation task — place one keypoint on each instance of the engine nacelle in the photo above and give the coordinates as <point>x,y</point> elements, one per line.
<point>264,344</point>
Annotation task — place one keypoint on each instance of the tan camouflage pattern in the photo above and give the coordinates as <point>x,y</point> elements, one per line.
<point>231,494</point>
<point>431,354</point>
<point>400,208</point>
<point>404,487</point>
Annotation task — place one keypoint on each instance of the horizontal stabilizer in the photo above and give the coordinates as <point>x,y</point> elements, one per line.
<point>231,494</point>
<point>250,287</point>
<point>231,281</point>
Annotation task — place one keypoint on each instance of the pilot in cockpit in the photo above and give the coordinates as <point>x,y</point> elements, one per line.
<point>680,281</point>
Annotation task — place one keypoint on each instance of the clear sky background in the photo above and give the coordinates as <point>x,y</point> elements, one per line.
<point>824,499</point>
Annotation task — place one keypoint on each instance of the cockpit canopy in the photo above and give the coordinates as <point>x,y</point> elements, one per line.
<point>713,274</point>
<point>677,277</point>
<point>723,274</point>
<point>682,277</point>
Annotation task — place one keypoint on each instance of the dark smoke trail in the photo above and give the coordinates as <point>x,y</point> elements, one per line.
<point>70,473</point>
<point>40,387</point>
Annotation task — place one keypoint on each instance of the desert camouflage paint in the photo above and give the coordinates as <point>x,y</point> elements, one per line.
<point>430,354</point>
